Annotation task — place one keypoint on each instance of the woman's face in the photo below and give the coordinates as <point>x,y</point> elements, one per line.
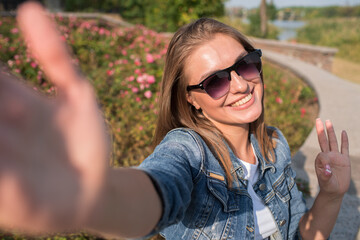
<point>242,104</point>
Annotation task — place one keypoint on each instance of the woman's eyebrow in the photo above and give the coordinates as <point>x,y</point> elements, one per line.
<point>243,54</point>
<point>206,75</point>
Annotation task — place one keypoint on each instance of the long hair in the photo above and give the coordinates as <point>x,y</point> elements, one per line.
<point>174,109</point>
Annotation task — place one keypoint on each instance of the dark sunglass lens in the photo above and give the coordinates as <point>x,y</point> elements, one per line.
<point>248,71</point>
<point>217,85</point>
<point>250,67</point>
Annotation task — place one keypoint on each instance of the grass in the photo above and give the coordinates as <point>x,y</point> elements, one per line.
<point>340,33</point>
<point>346,69</point>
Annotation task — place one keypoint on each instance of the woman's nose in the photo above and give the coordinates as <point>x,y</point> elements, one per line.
<point>237,83</point>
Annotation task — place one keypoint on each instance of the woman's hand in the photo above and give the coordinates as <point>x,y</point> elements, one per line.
<point>332,166</point>
<point>53,153</point>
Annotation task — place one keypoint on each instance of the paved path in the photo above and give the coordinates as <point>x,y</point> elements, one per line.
<point>340,102</point>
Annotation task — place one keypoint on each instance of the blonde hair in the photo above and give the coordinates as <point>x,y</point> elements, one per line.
<point>174,109</point>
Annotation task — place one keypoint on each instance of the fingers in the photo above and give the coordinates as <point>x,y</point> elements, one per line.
<point>331,136</point>
<point>45,44</point>
<point>329,142</point>
<point>344,143</point>
<point>323,142</point>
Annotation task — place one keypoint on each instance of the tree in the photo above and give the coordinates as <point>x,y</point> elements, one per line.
<point>161,15</point>
<point>263,19</point>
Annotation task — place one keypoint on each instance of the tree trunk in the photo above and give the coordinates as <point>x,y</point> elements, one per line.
<point>263,18</point>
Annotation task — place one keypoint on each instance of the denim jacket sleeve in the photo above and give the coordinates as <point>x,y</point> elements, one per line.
<point>173,166</point>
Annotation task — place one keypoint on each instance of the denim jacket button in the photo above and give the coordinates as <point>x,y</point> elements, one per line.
<point>282,222</point>
<point>250,229</point>
<point>262,187</point>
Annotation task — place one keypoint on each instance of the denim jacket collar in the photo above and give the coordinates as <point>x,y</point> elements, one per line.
<point>238,168</point>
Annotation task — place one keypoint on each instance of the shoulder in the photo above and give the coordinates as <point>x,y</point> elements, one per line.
<point>180,147</point>
<point>182,135</point>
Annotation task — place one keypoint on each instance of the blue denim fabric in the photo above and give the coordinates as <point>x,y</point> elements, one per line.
<point>196,201</point>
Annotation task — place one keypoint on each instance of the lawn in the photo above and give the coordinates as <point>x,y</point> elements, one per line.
<point>342,34</point>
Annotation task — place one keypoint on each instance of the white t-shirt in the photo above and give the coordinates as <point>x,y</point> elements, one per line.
<point>264,221</point>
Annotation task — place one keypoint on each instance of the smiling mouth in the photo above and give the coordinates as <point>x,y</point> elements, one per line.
<point>242,101</point>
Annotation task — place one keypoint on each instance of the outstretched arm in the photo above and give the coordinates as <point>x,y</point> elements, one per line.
<point>333,171</point>
<point>54,155</point>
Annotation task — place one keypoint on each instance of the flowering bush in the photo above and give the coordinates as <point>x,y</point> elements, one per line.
<point>290,105</point>
<point>125,68</point>
<point>124,65</point>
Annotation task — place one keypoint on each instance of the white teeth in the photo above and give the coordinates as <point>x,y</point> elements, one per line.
<point>242,101</point>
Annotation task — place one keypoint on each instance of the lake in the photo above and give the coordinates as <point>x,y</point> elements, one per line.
<point>287,28</point>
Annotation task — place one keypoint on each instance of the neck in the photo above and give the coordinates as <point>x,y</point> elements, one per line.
<point>238,137</point>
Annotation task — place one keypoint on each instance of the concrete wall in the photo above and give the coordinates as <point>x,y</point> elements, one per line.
<point>319,56</point>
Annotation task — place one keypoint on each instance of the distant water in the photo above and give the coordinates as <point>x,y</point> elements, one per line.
<point>287,28</point>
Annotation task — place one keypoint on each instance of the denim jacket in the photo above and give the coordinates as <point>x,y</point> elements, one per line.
<point>197,204</point>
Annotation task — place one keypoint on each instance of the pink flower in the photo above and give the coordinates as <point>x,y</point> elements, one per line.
<point>279,100</point>
<point>111,64</point>
<point>140,79</point>
<point>130,79</point>
<point>151,79</point>
<point>149,58</point>
<point>123,52</point>
<point>101,31</point>
<point>14,30</point>
<point>110,72</point>
<point>33,64</point>
<point>10,63</point>
<point>137,99</point>
<point>141,128</point>
<point>137,62</point>
<point>303,111</point>
<point>134,89</point>
<point>148,94</point>
<point>137,71</point>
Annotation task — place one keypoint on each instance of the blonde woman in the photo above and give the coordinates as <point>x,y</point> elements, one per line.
<point>217,171</point>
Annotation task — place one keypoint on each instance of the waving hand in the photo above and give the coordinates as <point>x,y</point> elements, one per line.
<point>52,153</point>
<point>332,165</point>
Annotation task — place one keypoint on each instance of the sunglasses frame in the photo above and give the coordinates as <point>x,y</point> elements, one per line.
<point>228,70</point>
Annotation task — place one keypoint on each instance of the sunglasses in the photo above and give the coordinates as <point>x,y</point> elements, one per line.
<point>217,85</point>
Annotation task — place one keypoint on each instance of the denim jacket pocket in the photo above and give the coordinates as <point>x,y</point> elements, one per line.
<point>284,184</point>
<point>217,186</point>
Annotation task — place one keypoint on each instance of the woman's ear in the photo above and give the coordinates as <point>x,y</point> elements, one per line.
<point>192,101</point>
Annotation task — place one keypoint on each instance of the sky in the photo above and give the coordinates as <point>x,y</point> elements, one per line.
<point>288,3</point>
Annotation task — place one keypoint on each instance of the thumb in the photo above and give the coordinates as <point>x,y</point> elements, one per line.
<point>322,167</point>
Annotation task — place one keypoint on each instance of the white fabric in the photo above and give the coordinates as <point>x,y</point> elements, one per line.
<point>264,221</point>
